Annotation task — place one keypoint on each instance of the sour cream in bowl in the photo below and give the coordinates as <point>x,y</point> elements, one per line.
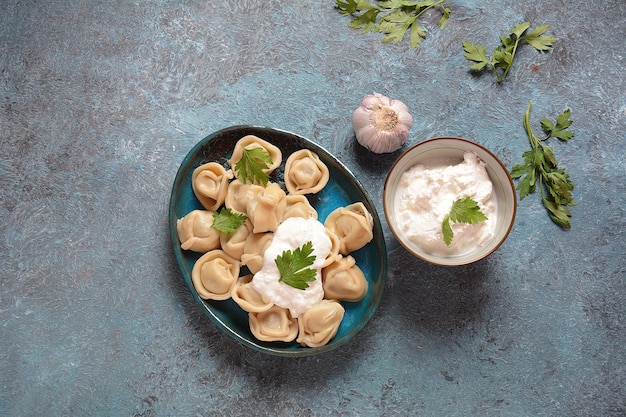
<point>437,178</point>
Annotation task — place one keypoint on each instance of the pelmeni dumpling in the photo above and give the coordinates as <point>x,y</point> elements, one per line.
<point>214,275</point>
<point>299,206</point>
<point>251,142</point>
<point>195,232</point>
<point>247,297</point>
<point>239,194</point>
<point>343,280</point>
<point>334,254</point>
<point>320,323</point>
<point>305,173</point>
<point>234,243</point>
<point>265,210</point>
<point>273,325</point>
<point>353,225</point>
<point>253,250</point>
<point>210,184</point>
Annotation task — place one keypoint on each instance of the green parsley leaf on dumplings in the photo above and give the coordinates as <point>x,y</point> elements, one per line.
<point>228,221</point>
<point>251,166</point>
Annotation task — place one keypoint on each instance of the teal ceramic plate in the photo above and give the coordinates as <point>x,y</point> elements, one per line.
<point>342,189</point>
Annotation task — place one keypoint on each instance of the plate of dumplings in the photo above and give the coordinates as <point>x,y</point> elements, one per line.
<point>226,219</point>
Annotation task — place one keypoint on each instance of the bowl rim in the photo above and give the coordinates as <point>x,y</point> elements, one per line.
<point>433,258</point>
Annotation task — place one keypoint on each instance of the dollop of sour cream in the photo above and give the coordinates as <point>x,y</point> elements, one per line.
<point>292,234</point>
<point>425,196</point>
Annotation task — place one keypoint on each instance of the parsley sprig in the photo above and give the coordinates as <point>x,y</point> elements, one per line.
<point>394,18</point>
<point>293,266</point>
<point>540,169</point>
<point>251,166</point>
<point>464,210</point>
<point>502,58</point>
<point>228,221</point>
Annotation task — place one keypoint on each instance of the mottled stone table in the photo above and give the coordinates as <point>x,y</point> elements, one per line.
<point>100,103</point>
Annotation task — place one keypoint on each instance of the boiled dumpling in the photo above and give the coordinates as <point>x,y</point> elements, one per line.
<point>343,280</point>
<point>335,244</point>
<point>299,206</point>
<point>273,325</point>
<point>253,250</point>
<point>233,243</point>
<point>214,275</point>
<point>353,225</point>
<point>251,142</point>
<point>195,232</point>
<point>305,173</point>
<point>319,324</point>
<point>210,184</point>
<point>265,210</point>
<point>247,297</point>
<point>239,194</point>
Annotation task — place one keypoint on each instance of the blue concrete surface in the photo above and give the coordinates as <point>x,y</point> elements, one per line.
<point>100,103</point>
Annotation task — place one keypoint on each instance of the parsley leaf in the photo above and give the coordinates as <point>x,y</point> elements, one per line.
<point>476,53</point>
<point>558,130</point>
<point>464,210</point>
<point>251,166</point>
<point>537,40</point>
<point>393,18</point>
<point>540,169</point>
<point>503,55</point>
<point>293,266</point>
<point>518,30</point>
<point>227,221</point>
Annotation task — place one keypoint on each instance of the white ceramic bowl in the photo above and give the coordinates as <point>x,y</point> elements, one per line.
<point>454,148</point>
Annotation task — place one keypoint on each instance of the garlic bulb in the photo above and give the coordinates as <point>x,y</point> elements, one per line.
<point>381,124</point>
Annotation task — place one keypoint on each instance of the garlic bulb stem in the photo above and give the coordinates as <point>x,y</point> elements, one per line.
<point>381,124</point>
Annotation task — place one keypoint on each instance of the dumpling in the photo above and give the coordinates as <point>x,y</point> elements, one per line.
<point>253,250</point>
<point>233,243</point>
<point>239,194</point>
<point>195,232</point>
<point>214,275</point>
<point>343,280</point>
<point>210,184</point>
<point>299,206</point>
<point>265,210</point>
<point>319,324</point>
<point>273,325</point>
<point>335,244</point>
<point>353,225</point>
<point>305,173</point>
<point>251,142</point>
<point>247,297</point>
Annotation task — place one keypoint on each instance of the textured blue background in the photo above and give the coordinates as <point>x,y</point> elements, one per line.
<point>101,101</point>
